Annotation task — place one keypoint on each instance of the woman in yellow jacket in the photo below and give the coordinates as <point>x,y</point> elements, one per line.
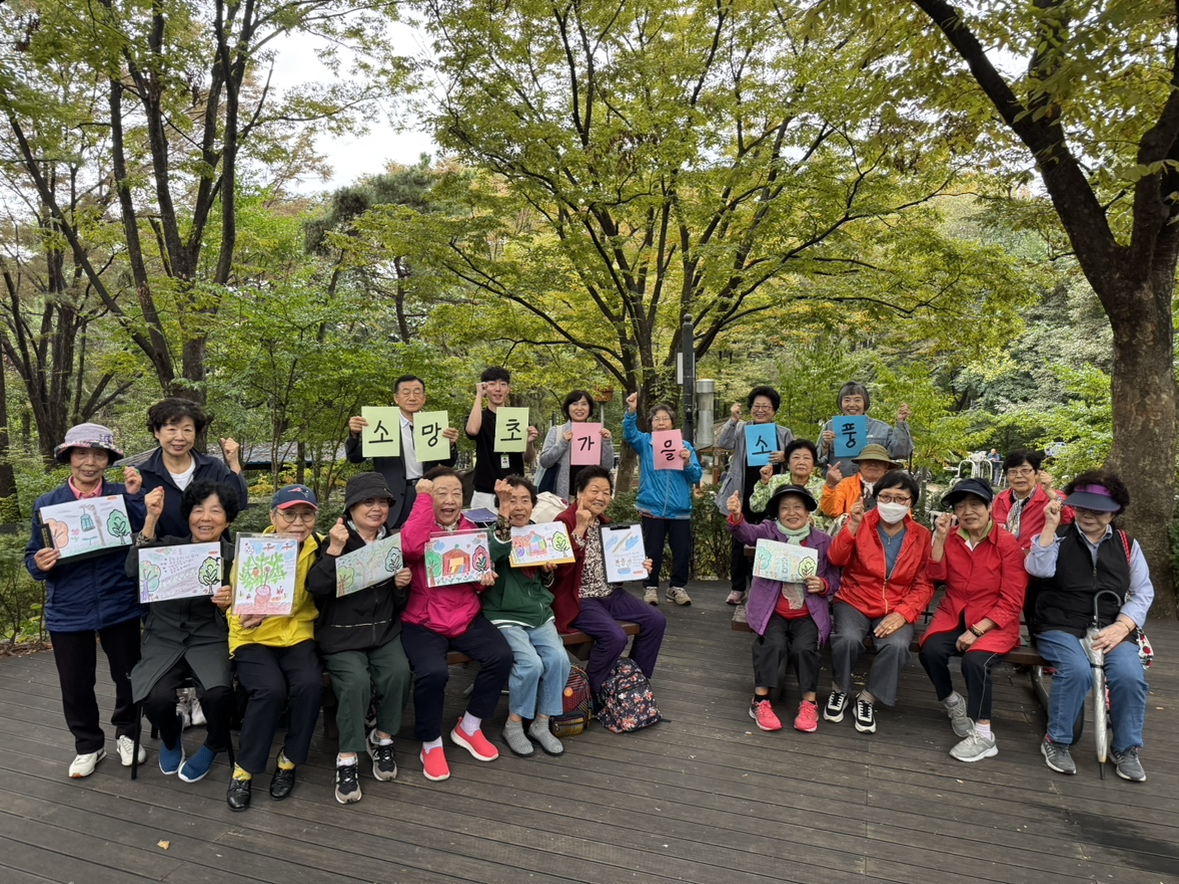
<point>277,661</point>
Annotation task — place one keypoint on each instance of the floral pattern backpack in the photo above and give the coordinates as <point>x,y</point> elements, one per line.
<point>627,702</point>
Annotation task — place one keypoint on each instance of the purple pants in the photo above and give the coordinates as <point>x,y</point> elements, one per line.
<point>599,620</point>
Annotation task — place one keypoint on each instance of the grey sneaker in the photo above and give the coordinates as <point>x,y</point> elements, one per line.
<point>962,725</point>
<point>516,739</point>
<point>651,595</point>
<point>1128,765</point>
<point>836,706</point>
<point>975,747</point>
<point>1058,757</point>
<point>347,783</point>
<point>539,731</point>
<point>679,595</point>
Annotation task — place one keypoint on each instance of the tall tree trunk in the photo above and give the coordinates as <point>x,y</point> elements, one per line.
<point>1145,429</point>
<point>8,498</point>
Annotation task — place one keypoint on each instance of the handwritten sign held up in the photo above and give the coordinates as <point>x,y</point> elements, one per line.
<point>534,545</point>
<point>586,445</point>
<point>511,430</point>
<point>760,441</point>
<point>784,562</point>
<point>82,528</point>
<point>265,566</point>
<point>851,434</point>
<point>428,442</point>
<point>623,553</point>
<point>667,445</point>
<point>382,436</point>
<point>373,563</point>
<point>461,557</point>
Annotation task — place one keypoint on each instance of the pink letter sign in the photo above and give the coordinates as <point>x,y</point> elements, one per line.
<point>586,445</point>
<point>667,445</point>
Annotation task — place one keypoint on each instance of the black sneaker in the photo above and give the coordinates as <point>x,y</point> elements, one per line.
<point>865,717</point>
<point>1058,757</point>
<point>384,759</point>
<point>282,783</point>
<point>347,783</point>
<point>836,706</point>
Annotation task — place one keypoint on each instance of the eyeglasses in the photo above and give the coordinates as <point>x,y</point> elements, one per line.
<point>891,499</point>
<point>1024,471</point>
<point>307,518</point>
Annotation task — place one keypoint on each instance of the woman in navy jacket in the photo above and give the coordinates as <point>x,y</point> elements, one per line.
<point>90,596</point>
<point>176,423</point>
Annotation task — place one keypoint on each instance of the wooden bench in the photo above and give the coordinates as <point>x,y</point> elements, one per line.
<point>1024,655</point>
<point>577,643</point>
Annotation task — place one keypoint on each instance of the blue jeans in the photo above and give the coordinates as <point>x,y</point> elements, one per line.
<point>540,669</point>
<point>1074,679</point>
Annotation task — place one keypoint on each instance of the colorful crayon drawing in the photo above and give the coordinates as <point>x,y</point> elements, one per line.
<point>93,525</point>
<point>265,566</point>
<point>373,563</point>
<point>179,572</point>
<point>461,557</point>
<point>784,562</point>
<point>623,553</point>
<point>540,544</point>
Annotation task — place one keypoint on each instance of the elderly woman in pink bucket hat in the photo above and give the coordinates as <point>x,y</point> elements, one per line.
<point>90,594</point>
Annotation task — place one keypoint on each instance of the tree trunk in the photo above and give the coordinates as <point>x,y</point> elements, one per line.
<point>8,497</point>
<point>1145,430</point>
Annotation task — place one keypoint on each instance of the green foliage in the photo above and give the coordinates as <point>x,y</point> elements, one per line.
<point>22,599</point>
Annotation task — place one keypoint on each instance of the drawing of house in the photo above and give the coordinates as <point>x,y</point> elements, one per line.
<point>455,561</point>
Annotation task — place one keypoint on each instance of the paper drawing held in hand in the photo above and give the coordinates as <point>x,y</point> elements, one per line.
<point>179,572</point>
<point>373,563</point>
<point>623,553</point>
<point>784,562</point>
<point>93,525</point>
<point>540,544</point>
<point>461,557</point>
<point>265,566</point>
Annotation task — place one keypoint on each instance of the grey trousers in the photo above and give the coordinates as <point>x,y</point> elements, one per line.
<point>847,642</point>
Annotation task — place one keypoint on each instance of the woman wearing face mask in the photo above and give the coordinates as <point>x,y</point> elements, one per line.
<point>791,620</point>
<point>853,400</point>
<point>978,618</point>
<point>885,587</point>
<point>556,474</point>
<point>664,500</point>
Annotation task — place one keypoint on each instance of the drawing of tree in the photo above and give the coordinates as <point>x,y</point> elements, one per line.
<point>117,524</point>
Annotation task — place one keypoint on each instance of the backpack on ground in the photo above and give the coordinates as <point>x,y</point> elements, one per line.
<point>576,702</point>
<point>627,701</point>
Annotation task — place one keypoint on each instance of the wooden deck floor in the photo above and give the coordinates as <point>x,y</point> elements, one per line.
<point>704,797</point>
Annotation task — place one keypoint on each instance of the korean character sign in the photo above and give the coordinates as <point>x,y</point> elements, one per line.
<point>511,430</point>
<point>851,434</point>
<point>761,440</point>
<point>382,436</point>
<point>586,444</point>
<point>667,445</point>
<point>428,442</point>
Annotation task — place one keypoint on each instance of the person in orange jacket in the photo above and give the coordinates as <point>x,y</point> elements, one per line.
<point>839,494</point>
<point>884,554</point>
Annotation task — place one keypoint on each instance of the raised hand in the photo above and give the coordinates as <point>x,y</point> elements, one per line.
<point>903,412</point>
<point>1051,517</point>
<point>232,451</point>
<point>733,504</point>
<point>425,486</point>
<point>132,480</point>
<point>338,537</point>
<point>735,412</point>
<point>533,432</point>
<point>632,403</point>
<point>834,475</point>
<point>856,515</point>
<point>585,518</point>
<point>941,528</point>
<point>765,474</point>
<point>154,501</point>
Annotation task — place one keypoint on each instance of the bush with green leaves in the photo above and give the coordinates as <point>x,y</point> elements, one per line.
<point>22,599</point>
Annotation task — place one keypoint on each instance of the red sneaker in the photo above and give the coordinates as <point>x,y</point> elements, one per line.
<point>475,743</point>
<point>434,764</point>
<point>807,719</point>
<point>763,714</point>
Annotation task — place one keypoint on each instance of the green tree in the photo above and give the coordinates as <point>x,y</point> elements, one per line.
<point>1097,111</point>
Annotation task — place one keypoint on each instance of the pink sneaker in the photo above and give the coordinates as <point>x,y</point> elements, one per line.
<point>475,743</point>
<point>763,714</point>
<point>434,764</point>
<point>807,719</point>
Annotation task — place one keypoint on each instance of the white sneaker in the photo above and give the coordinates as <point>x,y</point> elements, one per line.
<point>651,595</point>
<point>198,714</point>
<point>126,747</point>
<point>83,765</point>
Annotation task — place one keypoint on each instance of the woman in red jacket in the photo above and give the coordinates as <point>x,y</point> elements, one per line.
<point>978,619</point>
<point>884,554</point>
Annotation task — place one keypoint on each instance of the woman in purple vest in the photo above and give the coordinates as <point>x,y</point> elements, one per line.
<point>1076,562</point>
